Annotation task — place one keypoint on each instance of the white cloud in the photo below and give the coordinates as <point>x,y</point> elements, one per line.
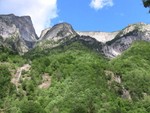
<point>99,4</point>
<point>41,11</point>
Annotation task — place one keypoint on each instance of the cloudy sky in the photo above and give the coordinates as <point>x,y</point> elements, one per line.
<point>84,15</point>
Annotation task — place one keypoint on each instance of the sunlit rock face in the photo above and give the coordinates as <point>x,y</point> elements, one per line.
<point>58,32</point>
<point>125,38</point>
<point>52,37</point>
<point>111,44</point>
<point>100,36</point>
<point>117,42</point>
<point>43,33</point>
<point>17,33</point>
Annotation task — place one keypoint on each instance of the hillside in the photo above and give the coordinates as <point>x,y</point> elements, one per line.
<point>81,81</point>
<point>65,72</point>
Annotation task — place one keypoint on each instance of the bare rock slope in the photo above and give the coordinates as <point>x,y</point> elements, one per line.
<point>125,38</point>
<point>109,44</point>
<point>52,37</point>
<point>100,36</point>
<point>58,32</point>
<point>17,33</point>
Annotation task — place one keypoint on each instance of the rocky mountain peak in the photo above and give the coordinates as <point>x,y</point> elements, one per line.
<point>110,44</point>
<point>140,27</point>
<point>58,31</point>
<point>125,38</point>
<point>52,37</point>
<point>17,32</point>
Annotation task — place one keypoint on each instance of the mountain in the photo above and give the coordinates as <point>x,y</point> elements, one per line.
<point>125,38</point>
<point>17,33</point>
<point>108,44</point>
<point>52,37</point>
<point>58,31</point>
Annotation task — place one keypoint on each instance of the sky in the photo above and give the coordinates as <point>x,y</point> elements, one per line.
<point>83,15</point>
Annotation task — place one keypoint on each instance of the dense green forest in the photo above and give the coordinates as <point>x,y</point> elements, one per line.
<point>76,79</point>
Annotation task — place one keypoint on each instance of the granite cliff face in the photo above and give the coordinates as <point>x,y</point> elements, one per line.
<point>58,32</point>
<point>109,44</point>
<point>125,38</point>
<point>52,37</point>
<point>17,33</point>
<point>100,36</point>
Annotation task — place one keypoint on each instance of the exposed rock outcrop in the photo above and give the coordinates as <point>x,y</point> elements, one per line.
<point>117,42</point>
<point>18,75</point>
<point>113,78</point>
<point>17,33</point>
<point>63,34</point>
<point>100,36</point>
<point>58,32</point>
<point>52,37</point>
<point>125,38</point>
<point>126,94</point>
<point>44,32</point>
<point>109,44</point>
<point>88,41</point>
<point>46,82</point>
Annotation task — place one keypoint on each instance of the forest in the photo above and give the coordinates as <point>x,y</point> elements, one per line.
<point>75,79</point>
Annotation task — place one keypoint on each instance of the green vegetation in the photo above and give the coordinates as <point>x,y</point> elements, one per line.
<point>146,3</point>
<point>134,68</point>
<point>81,81</point>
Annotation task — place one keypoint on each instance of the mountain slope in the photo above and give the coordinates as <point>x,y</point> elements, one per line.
<point>114,44</point>
<point>17,33</point>
<point>134,67</point>
<point>125,38</point>
<point>83,81</point>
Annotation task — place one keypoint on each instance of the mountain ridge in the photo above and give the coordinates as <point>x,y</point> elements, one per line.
<point>114,43</point>
<point>25,38</point>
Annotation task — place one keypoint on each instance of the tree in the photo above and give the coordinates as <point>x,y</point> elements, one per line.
<point>146,3</point>
<point>5,85</point>
<point>31,107</point>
